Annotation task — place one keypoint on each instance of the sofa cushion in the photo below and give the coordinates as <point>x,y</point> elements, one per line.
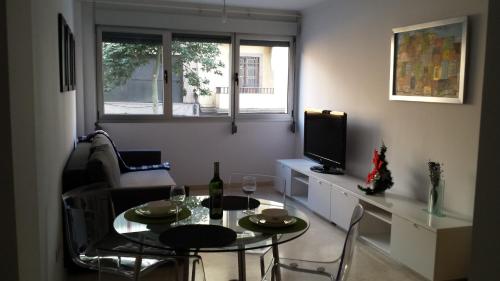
<point>99,140</point>
<point>103,166</point>
<point>151,178</point>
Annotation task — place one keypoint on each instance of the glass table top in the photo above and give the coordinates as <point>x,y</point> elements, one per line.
<point>149,234</point>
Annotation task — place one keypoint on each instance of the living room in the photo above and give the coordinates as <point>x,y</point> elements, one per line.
<point>341,62</point>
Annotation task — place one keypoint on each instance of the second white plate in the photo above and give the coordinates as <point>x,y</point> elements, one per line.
<point>157,209</point>
<point>261,220</point>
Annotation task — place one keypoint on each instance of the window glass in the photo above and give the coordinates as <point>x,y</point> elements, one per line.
<point>200,75</point>
<point>132,73</point>
<point>263,77</point>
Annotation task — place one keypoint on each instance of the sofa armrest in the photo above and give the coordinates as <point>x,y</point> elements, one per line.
<point>141,157</point>
<point>126,198</point>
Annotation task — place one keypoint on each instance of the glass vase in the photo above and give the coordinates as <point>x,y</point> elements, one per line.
<point>436,199</point>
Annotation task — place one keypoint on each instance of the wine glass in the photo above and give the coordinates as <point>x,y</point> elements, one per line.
<point>178,195</point>
<point>249,186</point>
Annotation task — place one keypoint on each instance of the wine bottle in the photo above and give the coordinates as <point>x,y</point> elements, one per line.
<point>215,189</point>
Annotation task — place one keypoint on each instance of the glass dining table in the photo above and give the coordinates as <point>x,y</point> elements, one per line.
<point>148,234</point>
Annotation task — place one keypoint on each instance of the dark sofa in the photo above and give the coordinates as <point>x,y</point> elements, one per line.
<point>96,161</point>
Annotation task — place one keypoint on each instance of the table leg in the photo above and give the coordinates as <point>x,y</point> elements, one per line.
<point>242,276</point>
<point>276,256</point>
<point>182,266</point>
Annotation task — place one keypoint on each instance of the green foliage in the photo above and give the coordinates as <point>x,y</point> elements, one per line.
<point>385,178</point>
<point>189,55</point>
<point>120,61</point>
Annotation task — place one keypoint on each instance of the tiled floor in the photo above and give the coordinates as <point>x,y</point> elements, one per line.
<point>322,241</point>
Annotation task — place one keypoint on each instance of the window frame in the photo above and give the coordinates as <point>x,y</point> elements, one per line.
<point>167,115</point>
<point>101,116</point>
<point>231,71</point>
<point>290,89</point>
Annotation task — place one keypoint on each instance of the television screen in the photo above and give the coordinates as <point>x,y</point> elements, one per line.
<point>325,139</point>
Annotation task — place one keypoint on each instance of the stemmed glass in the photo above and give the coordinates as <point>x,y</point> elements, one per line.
<point>249,186</point>
<point>178,195</point>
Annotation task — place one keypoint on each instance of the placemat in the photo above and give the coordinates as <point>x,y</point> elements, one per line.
<point>132,216</point>
<point>247,224</point>
<point>197,236</point>
<point>233,203</point>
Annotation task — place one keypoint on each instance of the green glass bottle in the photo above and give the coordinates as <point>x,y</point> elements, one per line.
<point>216,191</point>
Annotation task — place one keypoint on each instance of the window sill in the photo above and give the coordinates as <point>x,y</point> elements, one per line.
<point>214,119</point>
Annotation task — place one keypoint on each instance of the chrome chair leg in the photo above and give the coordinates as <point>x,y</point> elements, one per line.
<point>98,266</point>
<point>193,270</point>
<point>137,269</point>
<point>262,264</point>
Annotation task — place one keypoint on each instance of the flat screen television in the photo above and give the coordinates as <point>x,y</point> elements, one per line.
<point>325,140</point>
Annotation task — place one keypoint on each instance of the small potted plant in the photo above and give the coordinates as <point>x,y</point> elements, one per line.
<point>379,178</point>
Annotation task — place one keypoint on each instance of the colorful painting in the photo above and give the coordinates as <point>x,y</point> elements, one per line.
<point>428,62</point>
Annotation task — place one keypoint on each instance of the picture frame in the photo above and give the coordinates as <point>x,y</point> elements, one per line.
<point>63,86</point>
<point>67,67</point>
<point>428,62</point>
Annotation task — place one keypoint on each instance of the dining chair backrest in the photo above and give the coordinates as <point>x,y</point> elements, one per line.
<point>349,244</point>
<point>88,218</point>
<point>276,182</point>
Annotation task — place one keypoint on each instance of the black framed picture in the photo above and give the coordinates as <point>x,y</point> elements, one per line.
<point>72,62</point>
<point>67,67</point>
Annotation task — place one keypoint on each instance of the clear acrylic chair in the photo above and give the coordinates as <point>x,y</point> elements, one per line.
<point>93,244</point>
<point>277,183</point>
<point>335,270</point>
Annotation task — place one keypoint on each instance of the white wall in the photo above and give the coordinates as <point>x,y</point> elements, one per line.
<point>345,59</point>
<point>485,257</point>
<point>43,131</point>
<point>190,146</point>
<point>8,265</point>
<point>23,138</point>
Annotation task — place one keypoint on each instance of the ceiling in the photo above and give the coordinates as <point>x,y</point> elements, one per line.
<point>284,5</point>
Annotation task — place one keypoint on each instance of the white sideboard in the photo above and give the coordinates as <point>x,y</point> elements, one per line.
<point>438,248</point>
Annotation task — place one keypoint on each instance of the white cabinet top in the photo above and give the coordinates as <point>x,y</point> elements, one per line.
<point>396,204</point>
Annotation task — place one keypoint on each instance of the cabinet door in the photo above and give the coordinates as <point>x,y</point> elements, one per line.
<point>414,246</point>
<point>318,197</point>
<point>342,206</point>
<point>284,176</point>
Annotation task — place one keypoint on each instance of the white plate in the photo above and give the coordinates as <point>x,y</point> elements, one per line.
<point>261,220</point>
<point>157,209</point>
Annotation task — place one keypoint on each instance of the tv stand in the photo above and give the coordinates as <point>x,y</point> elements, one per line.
<point>327,170</point>
<point>438,248</point>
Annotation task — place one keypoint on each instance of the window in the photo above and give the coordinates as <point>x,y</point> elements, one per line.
<point>249,72</point>
<point>200,75</point>
<point>154,74</point>
<point>132,68</point>
<point>264,77</point>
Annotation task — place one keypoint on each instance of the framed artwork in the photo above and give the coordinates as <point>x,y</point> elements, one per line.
<point>63,86</point>
<point>67,75</point>
<point>428,62</point>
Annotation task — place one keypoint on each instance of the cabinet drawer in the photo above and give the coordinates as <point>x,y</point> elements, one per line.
<point>414,246</point>
<point>319,197</point>
<point>342,205</point>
